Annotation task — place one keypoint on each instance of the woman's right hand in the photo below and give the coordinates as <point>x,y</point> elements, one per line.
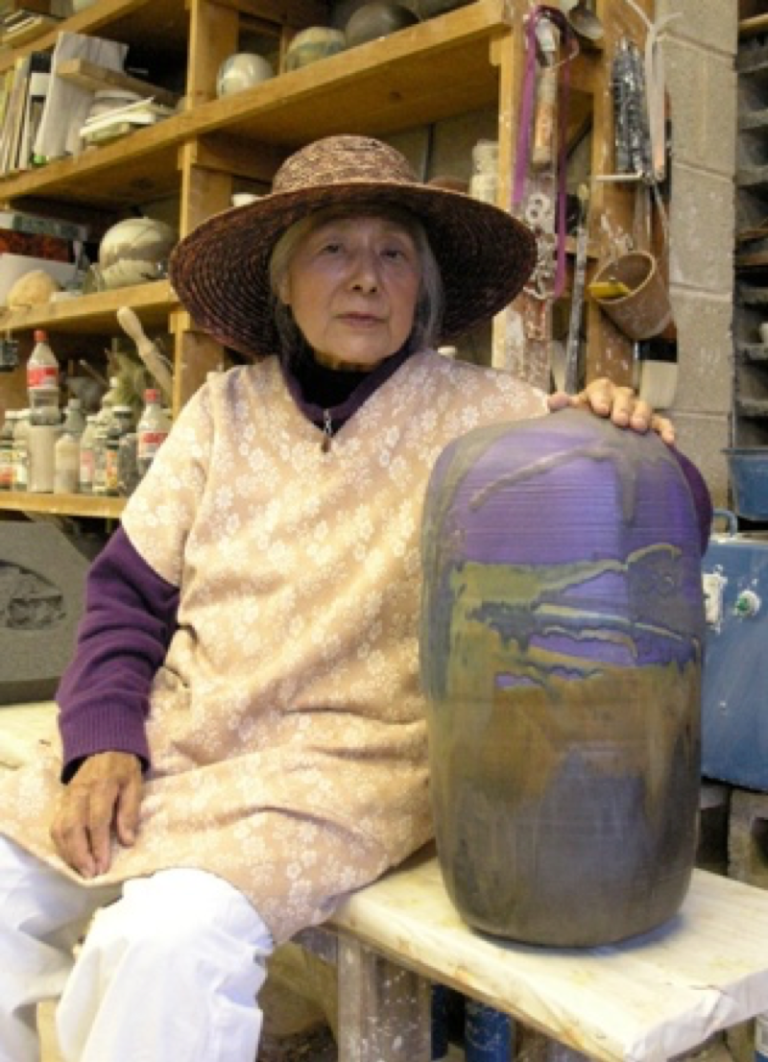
<point>102,798</point>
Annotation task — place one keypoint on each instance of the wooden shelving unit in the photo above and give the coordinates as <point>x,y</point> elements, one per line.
<point>457,63</point>
<point>102,508</point>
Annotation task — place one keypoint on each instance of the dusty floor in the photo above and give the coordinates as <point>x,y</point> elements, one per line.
<point>318,1052</point>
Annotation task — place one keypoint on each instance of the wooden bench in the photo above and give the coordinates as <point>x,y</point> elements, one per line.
<point>646,1000</point>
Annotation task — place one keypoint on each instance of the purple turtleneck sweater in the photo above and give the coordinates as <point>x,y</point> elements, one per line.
<point>130,610</point>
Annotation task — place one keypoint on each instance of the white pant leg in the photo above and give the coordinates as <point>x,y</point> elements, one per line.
<point>170,971</point>
<point>42,915</point>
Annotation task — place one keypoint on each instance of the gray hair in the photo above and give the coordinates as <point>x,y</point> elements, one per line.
<point>428,315</point>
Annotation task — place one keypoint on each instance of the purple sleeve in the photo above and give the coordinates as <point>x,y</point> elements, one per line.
<point>701,498</point>
<point>129,619</point>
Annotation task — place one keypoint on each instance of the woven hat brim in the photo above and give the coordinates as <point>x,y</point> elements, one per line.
<point>220,271</point>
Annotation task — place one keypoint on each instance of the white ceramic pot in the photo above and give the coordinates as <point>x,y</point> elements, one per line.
<point>135,251</point>
<point>241,71</point>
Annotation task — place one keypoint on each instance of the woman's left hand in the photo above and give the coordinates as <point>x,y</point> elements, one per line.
<point>620,404</point>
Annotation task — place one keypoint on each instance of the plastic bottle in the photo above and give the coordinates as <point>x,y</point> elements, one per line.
<point>128,471</point>
<point>86,460</point>
<point>152,430</point>
<point>43,382</point>
<point>7,450</point>
<point>74,418</point>
<point>66,463</point>
<point>42,448</point>
<point>122,422</point>
<point>21,451</point>
<point>100,436</point>
<point>99,482</point>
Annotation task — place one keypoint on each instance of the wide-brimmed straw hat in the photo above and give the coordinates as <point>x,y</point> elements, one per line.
<point>221,270</point>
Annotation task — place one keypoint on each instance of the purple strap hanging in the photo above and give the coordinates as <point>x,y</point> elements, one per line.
<point>525,127</point>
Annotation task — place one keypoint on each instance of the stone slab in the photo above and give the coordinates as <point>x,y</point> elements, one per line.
<point>42,586</point>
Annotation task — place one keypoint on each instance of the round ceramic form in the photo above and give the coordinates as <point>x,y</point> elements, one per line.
<point>242,71</point>
<point>561,653</point>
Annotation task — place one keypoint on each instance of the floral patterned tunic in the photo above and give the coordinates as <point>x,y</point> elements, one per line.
<point>286,725</point>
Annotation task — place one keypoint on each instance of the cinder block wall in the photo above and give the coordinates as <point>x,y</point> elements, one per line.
<point>699,49</point>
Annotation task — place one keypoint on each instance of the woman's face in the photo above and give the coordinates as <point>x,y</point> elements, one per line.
<point>352,286</point>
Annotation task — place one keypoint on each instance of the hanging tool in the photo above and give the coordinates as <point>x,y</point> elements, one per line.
<point>571,381</point>
<point>156,363</point>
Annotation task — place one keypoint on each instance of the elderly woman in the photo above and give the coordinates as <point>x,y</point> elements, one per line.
<point>242,726</point>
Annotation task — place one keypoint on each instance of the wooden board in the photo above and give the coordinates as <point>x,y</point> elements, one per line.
<point>94,78</point>
<point>646,1000</point>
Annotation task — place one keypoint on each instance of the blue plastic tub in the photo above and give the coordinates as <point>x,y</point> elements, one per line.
<point>749,479</point>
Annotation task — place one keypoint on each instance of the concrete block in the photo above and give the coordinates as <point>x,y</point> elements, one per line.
<point>712,848</point>
<point>702,95</point>
<point>42,582</point>
<point>711,23</point>
<point>704,352</point>
<point>748,838</point>
<point>702,224</point>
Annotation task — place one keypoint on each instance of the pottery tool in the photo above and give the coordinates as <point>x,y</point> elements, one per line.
<point>657,371</point>
<point>156,363</point>
<point>571,380</point>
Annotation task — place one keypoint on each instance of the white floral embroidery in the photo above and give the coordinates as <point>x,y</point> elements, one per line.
<point>287,727</point>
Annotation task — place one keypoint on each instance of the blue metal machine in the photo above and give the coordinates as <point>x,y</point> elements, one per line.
<point>735,677</point>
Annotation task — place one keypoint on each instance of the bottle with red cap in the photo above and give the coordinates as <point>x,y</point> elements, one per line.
<point>43,382</point>
<point>152,430</point>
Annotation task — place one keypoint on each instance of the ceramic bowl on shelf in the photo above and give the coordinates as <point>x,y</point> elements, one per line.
<point>112,99</point>
<point>135,251</point>
<point>316,42</point>
<point>378,18</point>
<point>242,71</point>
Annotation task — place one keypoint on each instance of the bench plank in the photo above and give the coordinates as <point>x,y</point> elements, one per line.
<point>645,1000</point>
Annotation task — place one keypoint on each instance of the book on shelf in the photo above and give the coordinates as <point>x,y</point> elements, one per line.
<point>37,89</point>
<point>11,131</point>
<point>23,111</point>
<point>43,225</point>
<point>23,25</point>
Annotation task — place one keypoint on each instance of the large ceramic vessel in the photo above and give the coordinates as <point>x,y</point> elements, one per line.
<point>561,649</point>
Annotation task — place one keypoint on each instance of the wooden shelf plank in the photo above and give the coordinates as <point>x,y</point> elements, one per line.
<point>87,505</point>
<point>751,27</point>
<point>96,78</point>
<point>97,313</point>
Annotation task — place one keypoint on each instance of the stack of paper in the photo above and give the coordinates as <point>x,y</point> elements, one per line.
<point>123,120</point>
<point>67,104</point>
